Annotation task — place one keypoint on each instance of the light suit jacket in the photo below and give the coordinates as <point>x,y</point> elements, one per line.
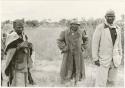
<point>102,46</point>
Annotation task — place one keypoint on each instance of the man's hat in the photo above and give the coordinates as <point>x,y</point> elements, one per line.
<point>18,23</point>
<point>110,13</point>
<point>74,21</point>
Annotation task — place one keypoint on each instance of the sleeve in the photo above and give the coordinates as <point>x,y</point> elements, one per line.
<point>14,44</point>
<point>95,43</point>
<point>84,38</point>
<point>61,40</point>
<point>31,48</point>
<point>26,37</point>
<point>2,48</point>
<point>120,44</point>
<point>30,45</point>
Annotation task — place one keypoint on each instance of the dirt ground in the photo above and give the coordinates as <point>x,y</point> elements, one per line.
<point>48,59</point>
<point>46,74</point>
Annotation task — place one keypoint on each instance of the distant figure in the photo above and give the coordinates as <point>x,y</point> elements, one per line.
<point>3,46</point>
<point>3,39</point>
<point>107,50</point>
<point>72,43</point>
<point>18,54</point>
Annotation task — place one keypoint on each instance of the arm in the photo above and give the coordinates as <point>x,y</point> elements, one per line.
<point>120,44</point>
<point>14,44</point>
<point>95,43</point>
<point>85,39</point>
<point>61,42</point>
<point>30,45</point>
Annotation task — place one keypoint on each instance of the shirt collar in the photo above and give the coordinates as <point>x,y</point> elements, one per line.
<point>107,25</point>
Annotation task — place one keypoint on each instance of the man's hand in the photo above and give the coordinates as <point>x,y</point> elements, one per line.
<point>30,45</point>
<point>65,49</point>
<point>22,45</point>
<point>83,47</point>
<point>97,63</point>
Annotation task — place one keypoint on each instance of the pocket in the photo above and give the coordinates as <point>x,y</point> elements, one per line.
<point>117,60</point>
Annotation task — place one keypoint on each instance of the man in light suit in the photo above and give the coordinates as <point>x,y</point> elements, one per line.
<point>107,50</point>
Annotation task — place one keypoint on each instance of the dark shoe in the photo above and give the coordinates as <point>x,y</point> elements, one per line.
<point>110,83</point>
<point>69,75</point>
<point>62,81</point>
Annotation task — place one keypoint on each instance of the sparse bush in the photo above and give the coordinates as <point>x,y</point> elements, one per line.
<point>32,23</point>
<point>88,25</point>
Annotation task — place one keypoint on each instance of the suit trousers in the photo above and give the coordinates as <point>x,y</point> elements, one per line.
<point>105,74</point>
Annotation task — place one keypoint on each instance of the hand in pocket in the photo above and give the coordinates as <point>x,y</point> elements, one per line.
<point>97,63</point>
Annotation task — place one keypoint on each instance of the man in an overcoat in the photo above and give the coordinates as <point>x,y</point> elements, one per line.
<point>72,43</point>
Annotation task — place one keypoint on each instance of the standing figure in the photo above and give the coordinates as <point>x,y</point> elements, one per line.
<point>72,43</point>
<point>107,50</point>
<point>3,39</point>
<point>18,55</point>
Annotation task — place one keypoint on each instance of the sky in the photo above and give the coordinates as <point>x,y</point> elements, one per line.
<point>58,9</point>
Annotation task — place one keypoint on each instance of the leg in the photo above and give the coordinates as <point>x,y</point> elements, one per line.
<point>77,67</point>
<point>30,77</point>
<point>112,75</point>
<point>1,78</point>
<point>70,66</point>
<point>19,79</point>
<point>25,78</point>
<point>101,76</point>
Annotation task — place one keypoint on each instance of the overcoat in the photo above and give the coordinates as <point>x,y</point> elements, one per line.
<point>69,45</point>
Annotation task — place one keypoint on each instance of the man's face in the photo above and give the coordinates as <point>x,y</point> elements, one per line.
<point>74,27</point>
<point>18,29</point>
<point>110,19</point>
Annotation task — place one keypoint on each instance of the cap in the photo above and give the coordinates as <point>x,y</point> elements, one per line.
<point>74,21</point>
<point>18,23</point>
<point>110,13</point>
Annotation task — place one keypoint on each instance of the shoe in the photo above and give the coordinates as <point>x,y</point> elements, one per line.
<point>77,77</point>
<point>69,75</point>
<point>110,83</point>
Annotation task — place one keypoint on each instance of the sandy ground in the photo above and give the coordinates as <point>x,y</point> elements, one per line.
<point>46,73</point>
<point>49,75</point>
<point>48,59</point>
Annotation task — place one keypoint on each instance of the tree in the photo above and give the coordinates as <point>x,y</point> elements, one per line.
<point>32,23</point>
<point>62,22</point>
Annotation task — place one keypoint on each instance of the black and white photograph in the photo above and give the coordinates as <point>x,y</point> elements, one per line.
<point>62,43</point>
